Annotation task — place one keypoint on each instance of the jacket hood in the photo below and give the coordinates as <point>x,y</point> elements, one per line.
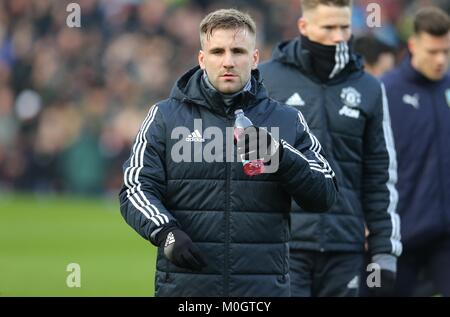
<point>291,52</point>
<point>188,89</point>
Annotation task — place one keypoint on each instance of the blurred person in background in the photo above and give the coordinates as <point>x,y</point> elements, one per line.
<point>345,107</point>
<point>378,56</point>
<point>210,221</point>
<point>418,92</point>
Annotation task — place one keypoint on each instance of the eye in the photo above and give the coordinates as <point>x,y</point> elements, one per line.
<point>216,51</point>
<point>239,51</point>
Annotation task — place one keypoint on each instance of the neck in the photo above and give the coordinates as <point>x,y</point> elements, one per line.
<point>228,99</point>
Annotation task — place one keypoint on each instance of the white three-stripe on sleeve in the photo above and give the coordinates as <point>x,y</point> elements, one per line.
<point>393,194</point>
<point>321,164</point>
<point>132,172</point>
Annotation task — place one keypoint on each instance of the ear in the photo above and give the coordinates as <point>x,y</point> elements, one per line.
<point>255,59</point>
<point>301,25</point>
<point>201,59</point>
<point>412,42</point>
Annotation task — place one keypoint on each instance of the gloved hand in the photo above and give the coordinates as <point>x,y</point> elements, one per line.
<point>258,143</point>
<point>388,270</point>
<point>387,279</point>
<point>180,250</point>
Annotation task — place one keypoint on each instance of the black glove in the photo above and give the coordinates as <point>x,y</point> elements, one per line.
<point>257,143</point>
<point>387,284</point>
<point>180,249</point>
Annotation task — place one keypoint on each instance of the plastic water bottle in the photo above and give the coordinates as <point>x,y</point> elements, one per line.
<point>253,167</point>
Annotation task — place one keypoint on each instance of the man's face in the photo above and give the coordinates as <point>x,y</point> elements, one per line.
<point>430,54</point>
<point>228,56</point>
<point>327,25</point>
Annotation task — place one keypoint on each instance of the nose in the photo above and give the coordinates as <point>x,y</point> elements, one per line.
<point>338,36</point>
<point>228,60</point>
<point>442,58</point>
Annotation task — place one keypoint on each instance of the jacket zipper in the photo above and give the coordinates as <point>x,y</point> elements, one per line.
<point>227,225</point>
<point>227,232</point>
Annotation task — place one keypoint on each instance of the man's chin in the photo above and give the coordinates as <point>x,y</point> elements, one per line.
<point>437,76</point>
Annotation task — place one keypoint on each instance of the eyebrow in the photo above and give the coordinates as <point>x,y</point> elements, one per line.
<point>335,25</point>
<point>221,49</point>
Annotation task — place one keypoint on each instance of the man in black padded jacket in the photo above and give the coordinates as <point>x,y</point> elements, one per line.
<point>347,111</point>
<point>219,231</point>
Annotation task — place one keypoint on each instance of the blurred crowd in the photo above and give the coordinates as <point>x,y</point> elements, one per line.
<point>72,99</point>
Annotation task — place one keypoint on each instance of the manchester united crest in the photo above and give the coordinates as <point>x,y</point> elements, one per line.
<point>351,97</point>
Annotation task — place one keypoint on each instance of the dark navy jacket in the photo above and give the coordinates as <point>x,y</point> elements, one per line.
<point>240,223</point>
<point>420,114</point>
<point>351,120</point>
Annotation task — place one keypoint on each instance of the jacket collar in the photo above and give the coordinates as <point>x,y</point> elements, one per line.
<point>413,75</point>
<point>188,88</point>
<point>291,52</point>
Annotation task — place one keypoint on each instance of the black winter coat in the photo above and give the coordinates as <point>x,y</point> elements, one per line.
<point>240,223</point>
<point>350,117</point>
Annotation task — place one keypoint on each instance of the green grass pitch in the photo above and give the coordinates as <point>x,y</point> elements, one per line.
<point>41,236</point>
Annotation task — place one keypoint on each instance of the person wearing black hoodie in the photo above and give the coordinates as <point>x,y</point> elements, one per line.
<point>219,231</point>
<point>346,109</point>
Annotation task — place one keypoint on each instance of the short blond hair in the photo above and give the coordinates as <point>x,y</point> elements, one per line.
<point>226,19</point>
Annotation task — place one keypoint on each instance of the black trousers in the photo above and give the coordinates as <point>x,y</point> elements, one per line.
<point>325,274</point>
